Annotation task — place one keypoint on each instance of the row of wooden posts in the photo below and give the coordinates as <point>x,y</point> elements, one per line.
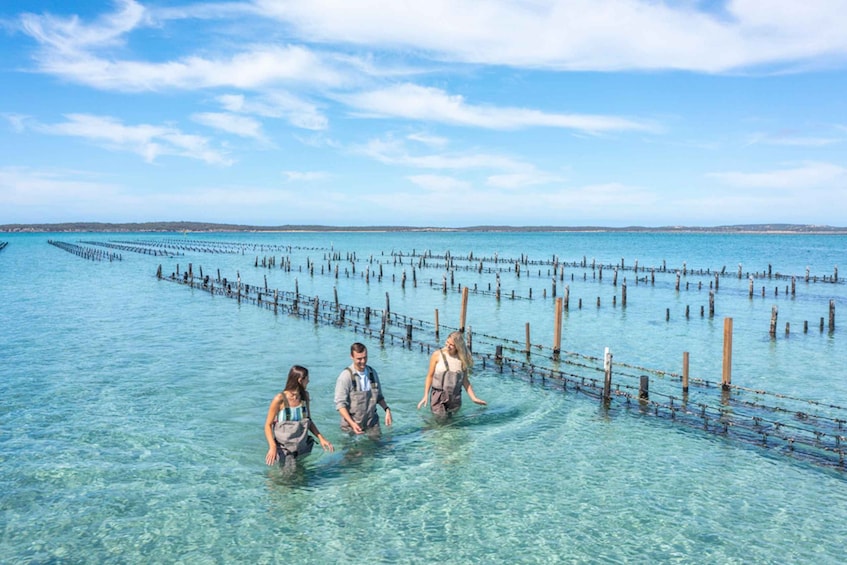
<point>85,252</point>
<point>557,339</point>
<point>497,293</point>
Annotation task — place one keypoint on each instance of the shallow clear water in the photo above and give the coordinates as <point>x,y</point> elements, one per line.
<point>132,411</point>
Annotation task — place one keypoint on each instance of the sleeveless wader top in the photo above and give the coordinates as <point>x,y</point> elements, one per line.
<point>447,382</point>
<point>362,402</point>
<point>292,435</point>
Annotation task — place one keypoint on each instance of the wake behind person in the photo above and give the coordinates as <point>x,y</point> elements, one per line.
<point>357,394</point>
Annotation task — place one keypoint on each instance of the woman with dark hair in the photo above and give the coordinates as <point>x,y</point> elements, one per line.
<point>289,421</point>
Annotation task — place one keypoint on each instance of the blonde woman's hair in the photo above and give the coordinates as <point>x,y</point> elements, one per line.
<point>458,339</point>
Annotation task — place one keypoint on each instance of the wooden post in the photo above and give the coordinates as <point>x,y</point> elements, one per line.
<point>726,378</point>
<point>644,388</point>
<point>387,304</point>
<point>774,314</point>
<point>711,303</point>
<point>623,293</point>
<point>607,383</point>
<point>464,312</point>
<point>684,372</point>
<point>557,332</point>
<point>832,315</point>
<point>528,343</point>
<point>436,324</point>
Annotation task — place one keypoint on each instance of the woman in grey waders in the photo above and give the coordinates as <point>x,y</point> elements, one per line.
<point>289,421</point>
<point>449,369</point>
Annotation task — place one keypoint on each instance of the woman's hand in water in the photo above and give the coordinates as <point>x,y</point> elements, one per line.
<point>423,402</point>
<point>272,456</point>
<point>325,444</point>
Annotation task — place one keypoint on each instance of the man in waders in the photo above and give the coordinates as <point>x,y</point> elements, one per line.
<point>357,394</point>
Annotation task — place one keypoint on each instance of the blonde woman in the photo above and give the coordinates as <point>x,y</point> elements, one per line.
<point>449,371</point>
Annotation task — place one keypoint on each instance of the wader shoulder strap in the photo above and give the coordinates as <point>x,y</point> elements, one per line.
<point>444,358</point>
<point>353,378</point>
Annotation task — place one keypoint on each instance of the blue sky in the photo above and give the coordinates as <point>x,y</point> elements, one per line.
<point>424,113</point>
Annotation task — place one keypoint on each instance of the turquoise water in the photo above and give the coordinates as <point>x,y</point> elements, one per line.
<point>132,409</point>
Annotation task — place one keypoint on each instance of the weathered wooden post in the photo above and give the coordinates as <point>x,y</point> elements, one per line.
<point>607,382</point>
<point>774,314</point>
<point>832,315</point>
<point>623,293</point>
<point>711,303</point>
<point>644,388</point>
<point>684,373</point>
<point>436,324</point>
<point>464,311</point>
<point>557,332</point>
<point>726,378</point>
<point>528,342</point>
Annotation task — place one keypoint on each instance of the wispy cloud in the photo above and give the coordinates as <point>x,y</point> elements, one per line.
<point>518,180</point>
<point>438,183</point>
<point>427,139</point>
<point>600,35</point>
<point>392,151</point>
<point>432,104</point>
<point>806,175</point>
<point>790,139</point>
<point>149,141</point>
<point>238,125</point>
<point>305,176</point>
<point>283,105</point>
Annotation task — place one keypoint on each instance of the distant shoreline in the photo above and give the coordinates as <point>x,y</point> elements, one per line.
<point>204,227</point>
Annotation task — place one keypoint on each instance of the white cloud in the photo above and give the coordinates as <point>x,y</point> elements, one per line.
<point>28,188</point>
<point>305,176</point>
<point>69,36</point>
<point>438,183</point>
<point>517,180</point>
<point>255,68</point>
<point>283,105</point>
<point>806,175</point>
<point>581,34</point>
<point>411,101</point>
<point>230,123</point>
<point>149,141</point>
<point>392,151</point>
<point>427,139</point>
<point>791,140</point>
